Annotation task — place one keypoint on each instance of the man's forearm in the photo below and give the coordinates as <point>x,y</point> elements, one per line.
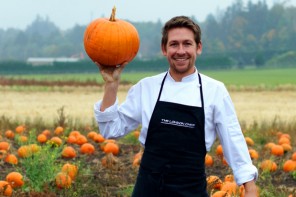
<point>110,94</point>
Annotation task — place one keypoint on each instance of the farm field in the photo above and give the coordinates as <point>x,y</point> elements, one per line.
<point>78,104</point>
<point>264,100</point>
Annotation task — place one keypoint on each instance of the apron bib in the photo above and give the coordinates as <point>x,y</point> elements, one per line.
<point>174,154</point>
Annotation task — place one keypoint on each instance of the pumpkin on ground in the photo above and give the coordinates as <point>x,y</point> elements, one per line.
<point>209,161</point>
<point>111,148</point>
<point>9,134</point>
<point>63,180</point>
<point>268,165</point>
<point>11,158</point>
<point>277,150</point>
<point>289,165</point>
<point>5,188</point>
<point>4,146</point>
<point>219,150</point>
<point>70,169</point>
<point>87,148</point>
<point>111,42</point>
<point>15,179</point>
<point>214,182</point>
<point>20,129</point>
<point>69,152</point>
<point>42,138</point>
<point>230,187</point>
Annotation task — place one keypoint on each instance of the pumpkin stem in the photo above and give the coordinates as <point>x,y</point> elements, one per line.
<point>112,17</point>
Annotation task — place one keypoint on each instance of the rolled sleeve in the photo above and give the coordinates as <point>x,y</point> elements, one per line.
<point>109,114</point>
<point>245,174</point>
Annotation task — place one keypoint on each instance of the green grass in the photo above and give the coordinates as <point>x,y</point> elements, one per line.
<point>267,78</point>
<point>253,77</point>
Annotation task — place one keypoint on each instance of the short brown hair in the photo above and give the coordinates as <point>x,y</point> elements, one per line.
<point>181,21</point>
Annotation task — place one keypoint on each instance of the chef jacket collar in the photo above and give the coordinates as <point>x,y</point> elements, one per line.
<point>187,78</point>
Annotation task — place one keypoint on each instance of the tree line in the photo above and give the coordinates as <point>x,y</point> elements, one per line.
<point>244,34</point>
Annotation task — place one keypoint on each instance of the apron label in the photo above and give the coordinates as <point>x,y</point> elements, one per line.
<point>177,123</point>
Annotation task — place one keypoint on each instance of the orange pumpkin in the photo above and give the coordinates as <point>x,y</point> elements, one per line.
<point>277,150</point>
<point>286,147</point>
<point>63,180</point>
<point>46,132</point>
<point>56,141</point>
<point>268,165</point>
<point>219,150</point>
<point>111,148</point>
<point>137,159</point>
<point>9,134</point>
<point>91,135</point>
<point>249,141</point>
<point>58,130</point>
<point>15,179</point>
<point>41,138</point>
<point>214,182</point>
<point>20,129</point>
<point>111,42</point>
<point>11,158</point>
<point>81,139</point>
<point>69,152</point>
<point>5,188</point>
<point>253,154</point>
<point>136,134</point>
<point>71,139</point>
<point>229,178</point>
<point>70,169</point>
<point>4,146</point>
<point>24,151</point>
<point>230,187</point>
<point>87,148</point>
<point>99,138</point>
<point>75,133</point>
<point>293,157</point>
<point>209,161</point>
<point>284,140</point>
<point>289,165</point>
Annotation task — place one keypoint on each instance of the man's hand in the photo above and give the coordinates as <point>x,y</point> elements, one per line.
<point>111,74</point>
<point>250,189</point>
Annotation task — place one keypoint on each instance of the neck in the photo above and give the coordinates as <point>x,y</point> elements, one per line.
<point>177,76</point>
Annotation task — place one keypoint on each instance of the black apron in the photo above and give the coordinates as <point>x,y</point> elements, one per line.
<point>174,154</point>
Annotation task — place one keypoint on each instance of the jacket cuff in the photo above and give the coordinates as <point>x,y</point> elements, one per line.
<point>245,174</point>
<point>109,114</point>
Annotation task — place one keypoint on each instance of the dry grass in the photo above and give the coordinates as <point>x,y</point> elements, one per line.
<point>78,104</point>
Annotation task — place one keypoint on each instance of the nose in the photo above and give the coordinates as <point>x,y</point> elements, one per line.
<point>181,49</point>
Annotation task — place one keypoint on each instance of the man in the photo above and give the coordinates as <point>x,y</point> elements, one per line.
<point>181,113</point>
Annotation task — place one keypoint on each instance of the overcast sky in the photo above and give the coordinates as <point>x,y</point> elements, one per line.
<point>66,13</point>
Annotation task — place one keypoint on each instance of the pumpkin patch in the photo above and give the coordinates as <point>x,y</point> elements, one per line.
<point>77,159</point>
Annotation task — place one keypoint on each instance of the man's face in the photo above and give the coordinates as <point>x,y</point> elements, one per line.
<point>181,51</point>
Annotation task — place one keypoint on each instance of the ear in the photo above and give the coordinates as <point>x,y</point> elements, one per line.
<point>199,48</point>
<point>164,51</point>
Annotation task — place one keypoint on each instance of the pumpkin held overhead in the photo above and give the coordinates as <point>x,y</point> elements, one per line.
<point>111,42</point>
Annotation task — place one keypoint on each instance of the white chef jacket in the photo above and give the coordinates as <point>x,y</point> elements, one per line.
<point>220,116</point>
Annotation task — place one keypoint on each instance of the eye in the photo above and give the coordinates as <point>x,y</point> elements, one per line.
<point>173,44</point>
<point>187,43</point>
